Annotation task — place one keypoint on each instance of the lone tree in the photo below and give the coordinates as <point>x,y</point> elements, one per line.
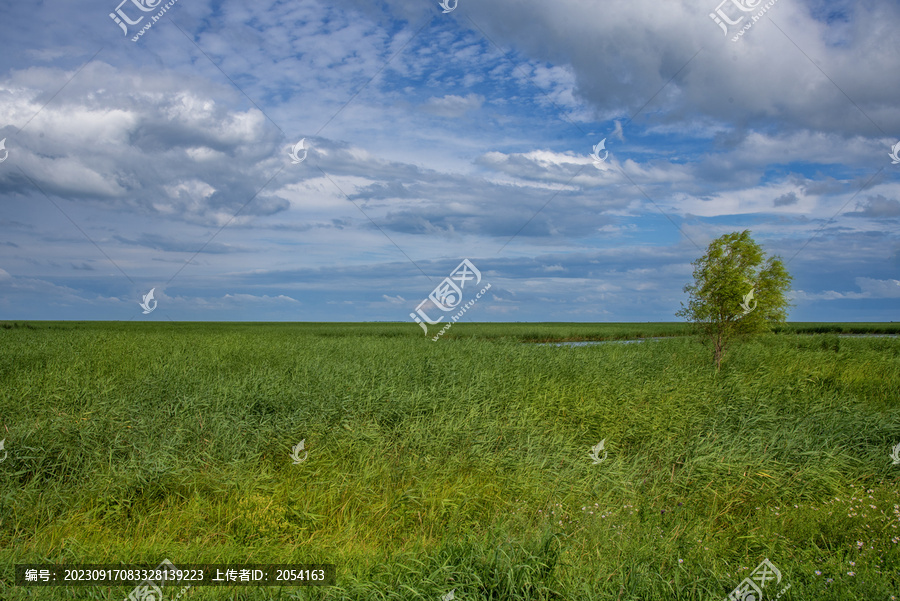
<point>737,291</point>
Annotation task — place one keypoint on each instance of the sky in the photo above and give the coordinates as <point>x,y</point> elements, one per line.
<point>580,154</point>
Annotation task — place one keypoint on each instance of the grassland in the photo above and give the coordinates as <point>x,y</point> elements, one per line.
<point>460,464</point>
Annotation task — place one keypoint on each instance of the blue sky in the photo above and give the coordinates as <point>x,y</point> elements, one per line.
<point>433,137</point>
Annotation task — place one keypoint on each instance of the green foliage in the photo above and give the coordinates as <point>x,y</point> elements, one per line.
<point>458,464</point>
<point>737,291</point>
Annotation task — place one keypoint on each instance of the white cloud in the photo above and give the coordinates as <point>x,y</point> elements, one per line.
<point>869,288</point>
<point>452,105</point>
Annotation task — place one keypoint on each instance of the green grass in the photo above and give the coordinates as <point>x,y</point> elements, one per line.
<point>457,464</point>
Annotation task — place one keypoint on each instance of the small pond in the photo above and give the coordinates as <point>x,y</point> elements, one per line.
<point>593,342</point>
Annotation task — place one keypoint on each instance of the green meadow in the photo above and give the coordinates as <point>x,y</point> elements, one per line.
<point>458,465</point>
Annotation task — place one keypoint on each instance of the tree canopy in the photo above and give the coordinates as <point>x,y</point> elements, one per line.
<point>737,291</point>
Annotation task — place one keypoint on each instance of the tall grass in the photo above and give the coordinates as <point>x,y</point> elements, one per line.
<point>458,464</point>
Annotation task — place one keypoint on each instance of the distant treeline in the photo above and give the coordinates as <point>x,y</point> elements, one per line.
<point>838,328</point>
<point>523,331</point>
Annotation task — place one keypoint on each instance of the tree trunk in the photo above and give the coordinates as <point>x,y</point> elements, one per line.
<point>719,350</point>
